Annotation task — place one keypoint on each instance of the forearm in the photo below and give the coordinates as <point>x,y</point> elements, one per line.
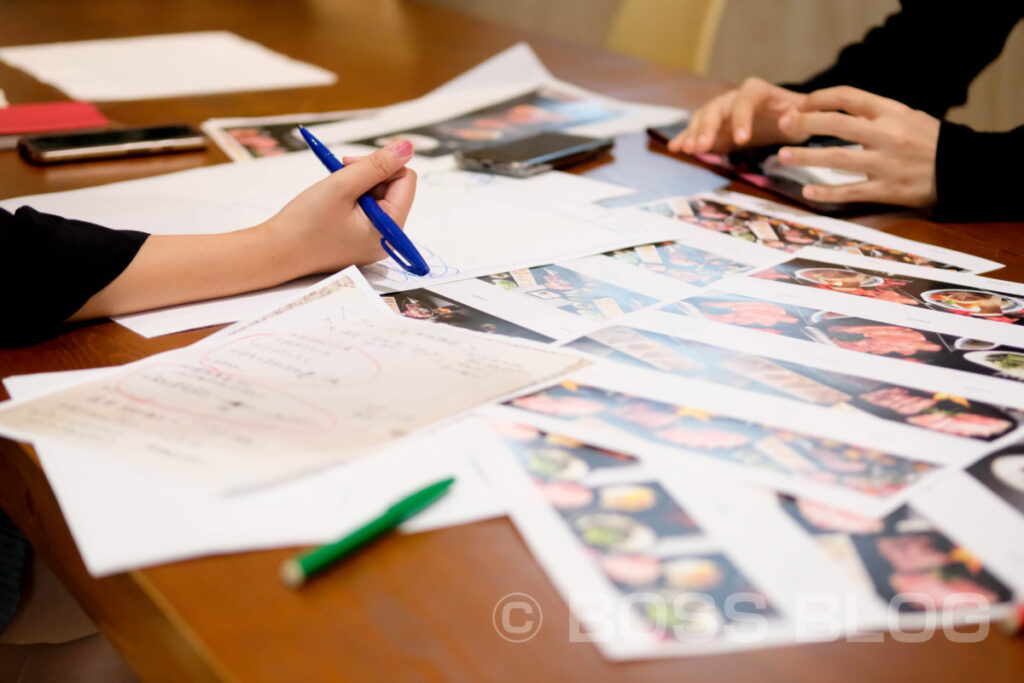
<point>174,269</point>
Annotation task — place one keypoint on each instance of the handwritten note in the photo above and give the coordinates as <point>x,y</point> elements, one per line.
<point>307,385</point>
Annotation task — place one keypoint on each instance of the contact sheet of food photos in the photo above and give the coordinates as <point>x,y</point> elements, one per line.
<point>903,569</point>
<point>983,506</point>
<point>968,305</point>
<point>986,365</point>
<point>642,575</point>
<point>776,226</point>
<point>836,383</point>
<point>857,461</point>
<point>562,301</point>
<point>781,367</point>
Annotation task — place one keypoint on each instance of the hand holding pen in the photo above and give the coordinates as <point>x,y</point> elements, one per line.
<point>393,239</point>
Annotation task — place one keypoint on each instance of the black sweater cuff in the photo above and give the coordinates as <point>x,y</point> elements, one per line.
<point>977,175</point>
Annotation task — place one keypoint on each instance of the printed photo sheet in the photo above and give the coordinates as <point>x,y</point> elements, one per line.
<point>986,365</point>
<point>655,564</point>
<point>641,575</point>
<point>311,385</point>
<point>907,567</point>
<point>983,506</point>
<point>776,226</point>
<point>443,123</point>
<point>777,366</point>
<point>855,461</point>
<point>957,301</point>
<point>246,138</point>
<point>561,301</point>
<point>254,137</point>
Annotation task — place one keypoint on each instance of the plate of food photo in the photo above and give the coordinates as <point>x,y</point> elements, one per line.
<point>973,301</point>
<point>1006,362</point>
<point>838,278</point>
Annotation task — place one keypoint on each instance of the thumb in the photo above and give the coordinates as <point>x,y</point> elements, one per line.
<point>370,171</point>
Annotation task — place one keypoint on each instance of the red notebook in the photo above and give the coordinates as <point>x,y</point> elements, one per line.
<point>22,119</point>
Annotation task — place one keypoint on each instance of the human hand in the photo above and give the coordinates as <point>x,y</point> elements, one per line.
<point>323,229</point>
<point>746,116</point>
<point>899,146</point>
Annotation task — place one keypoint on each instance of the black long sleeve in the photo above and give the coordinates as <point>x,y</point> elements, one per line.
<point>927,54</point>
<point>50,266</point>
<point>977,175</point>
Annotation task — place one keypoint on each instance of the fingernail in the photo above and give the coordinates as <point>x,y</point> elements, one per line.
<point>741,135</point>
<point>810,191</point>
<point>785,121</point>
<point>402,149</point>
<point>785,154</point>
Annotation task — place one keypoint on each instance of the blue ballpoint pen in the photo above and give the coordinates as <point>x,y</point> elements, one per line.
<point>392,236</point>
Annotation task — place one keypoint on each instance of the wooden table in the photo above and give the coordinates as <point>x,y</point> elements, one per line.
<point>416,607</point>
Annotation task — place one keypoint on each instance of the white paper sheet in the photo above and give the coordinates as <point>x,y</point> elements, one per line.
<point>905,393</point>
<point>124,518</point>
<point>886,289</point>
<point>983,509</point>
<point>437,108</point>
<point>168,65</point>
<point>621,538</point>
<point>923,349</point>
<point>246,138</point>
<point>322,380</point>
<point>802,229</point>
<point>878,565</point>
<point>849,460</point>
<point>637,562</point>
<point>565,300</point>
<point>515,64</point>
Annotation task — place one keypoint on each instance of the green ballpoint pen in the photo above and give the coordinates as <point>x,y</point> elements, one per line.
<point>297,570</point>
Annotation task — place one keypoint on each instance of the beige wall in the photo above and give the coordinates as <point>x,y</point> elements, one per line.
<point>793,39</point>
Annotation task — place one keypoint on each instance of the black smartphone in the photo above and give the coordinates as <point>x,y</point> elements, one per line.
<point>536,154</point>
<point>759,166</point>
<point>125,142</point>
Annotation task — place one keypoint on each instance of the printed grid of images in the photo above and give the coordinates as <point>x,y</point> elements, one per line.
<point>519,117</point>
<point>422,304</point>
<point>910,564</point>
<point>274,139</point>
<point>641,538</point>
<point>777,233</point>
<point>1002,473</point>
<point>680,262</point>
<point>571,291</point>
<point>728,439</point>
<point>936,411</point>
<point>857,334</point>
<point>910,291</point>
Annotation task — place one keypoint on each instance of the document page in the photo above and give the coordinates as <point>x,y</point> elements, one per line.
<point>319,382</point>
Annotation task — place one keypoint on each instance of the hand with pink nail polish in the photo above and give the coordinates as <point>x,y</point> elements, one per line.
<point>746,116</point>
